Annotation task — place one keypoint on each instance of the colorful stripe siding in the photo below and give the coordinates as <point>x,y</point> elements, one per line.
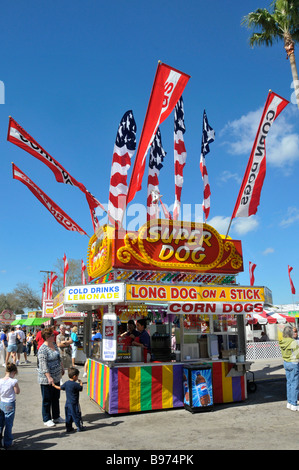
<point>227,389</point>
<point>146,388</point>
<point>135,389</point>
<point>154,387</point>
<point>98,382</point>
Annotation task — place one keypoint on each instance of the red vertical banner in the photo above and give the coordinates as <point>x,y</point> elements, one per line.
<point>168,87</point>
<point>293,290</point>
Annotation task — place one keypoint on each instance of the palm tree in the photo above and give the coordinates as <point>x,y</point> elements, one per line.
<point>282,22</point>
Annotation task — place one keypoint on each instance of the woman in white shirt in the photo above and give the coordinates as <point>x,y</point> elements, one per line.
<point>12,345</point>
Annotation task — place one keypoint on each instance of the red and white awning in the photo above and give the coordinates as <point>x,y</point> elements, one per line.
<point>271,317</point>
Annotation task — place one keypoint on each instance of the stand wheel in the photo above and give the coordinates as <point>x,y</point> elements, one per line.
<point>251,387</point>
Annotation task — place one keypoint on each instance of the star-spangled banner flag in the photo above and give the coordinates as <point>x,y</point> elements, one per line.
<point>65,269</point>
<point>157,155</point>
<point>293,290</point>
<point>249,195</point>
<point>208,136</point>
<point>124,148</point>
<point>180,154</point>
<point>252,267</point>
<point>52,207</point>
<point>168,87</point>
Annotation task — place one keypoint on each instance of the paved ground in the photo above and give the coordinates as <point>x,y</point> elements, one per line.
<point>262,422</point>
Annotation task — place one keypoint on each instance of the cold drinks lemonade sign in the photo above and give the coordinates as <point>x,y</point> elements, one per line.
<point>94,293</point>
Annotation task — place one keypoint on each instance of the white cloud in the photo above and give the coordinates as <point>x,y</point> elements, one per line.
<point>243,225</point>
<point>240,225</point>
<point>268,251</point>
<point>292,216</point>
<point>228,175</point>
<point>220,223</point>
<point>282,143</point>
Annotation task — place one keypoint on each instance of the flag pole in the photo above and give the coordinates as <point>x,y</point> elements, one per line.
<point>228,228</point>
<point>142,132</point>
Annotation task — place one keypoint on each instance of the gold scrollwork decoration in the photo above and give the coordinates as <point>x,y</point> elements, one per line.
<point>125,253</point>
<point>234,258</point>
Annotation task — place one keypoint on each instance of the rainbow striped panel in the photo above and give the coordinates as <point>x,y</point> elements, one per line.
<point>138,388</point>
<point>98,383</point>
<point>227,389</point>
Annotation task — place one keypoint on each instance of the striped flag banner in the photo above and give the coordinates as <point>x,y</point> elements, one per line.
<point>52,278</point>
<point>157,155</point>
<point>124,148</point>
<point>208,136</point>
<point>180,155</point>
<point>83,267</point>
<point>168,87</point>
<point>65,269</point>
<point>61,217</point>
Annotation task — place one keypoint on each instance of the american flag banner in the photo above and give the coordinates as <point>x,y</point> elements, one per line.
<point>168,87</point>
<point>180,154</point>
<point>65,269</point>
<point>157,155</point>
<point>293,290</point>
<point>250,191</point>
<point>52,207</point>
<point>124,148</point>
<point>208,136</point>
<point>252,267</point>
<point>18,136</point>
<point>83,267</point>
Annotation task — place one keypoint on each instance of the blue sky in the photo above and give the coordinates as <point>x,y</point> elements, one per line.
<point>71,69</point>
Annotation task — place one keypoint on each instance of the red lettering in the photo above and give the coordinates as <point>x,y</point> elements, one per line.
<point>175,293</point>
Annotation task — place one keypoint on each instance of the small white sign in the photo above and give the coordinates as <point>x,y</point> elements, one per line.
<point>94,294</point>
<point>109,341</point>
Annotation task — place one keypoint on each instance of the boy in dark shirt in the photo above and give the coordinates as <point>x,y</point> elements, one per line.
<point>72,407</point>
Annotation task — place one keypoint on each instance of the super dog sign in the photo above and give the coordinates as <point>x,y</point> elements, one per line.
<point>175,245</point>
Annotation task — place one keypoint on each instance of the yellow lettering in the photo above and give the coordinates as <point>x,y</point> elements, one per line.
<point>185,257</point>
<point>197,258</point>
<point>164,255</point>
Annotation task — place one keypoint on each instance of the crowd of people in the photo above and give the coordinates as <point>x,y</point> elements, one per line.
<point>56,352</point>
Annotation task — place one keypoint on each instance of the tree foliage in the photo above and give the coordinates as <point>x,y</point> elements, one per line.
<point>73,275</point>
<point>22,297</point>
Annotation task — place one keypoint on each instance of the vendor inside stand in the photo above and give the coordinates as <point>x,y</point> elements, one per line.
<point>143,338</point>
<point>131,330</point>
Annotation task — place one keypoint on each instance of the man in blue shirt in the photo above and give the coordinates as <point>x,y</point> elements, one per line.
<point>144,338</point>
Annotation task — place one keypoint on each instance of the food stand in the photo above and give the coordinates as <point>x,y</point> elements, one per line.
<point>178,275</point>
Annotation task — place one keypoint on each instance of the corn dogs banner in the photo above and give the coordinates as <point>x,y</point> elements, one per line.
<point>18,136</point>
<point>61,217</point>
<point>168,87</point>
<point>250,191</point>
